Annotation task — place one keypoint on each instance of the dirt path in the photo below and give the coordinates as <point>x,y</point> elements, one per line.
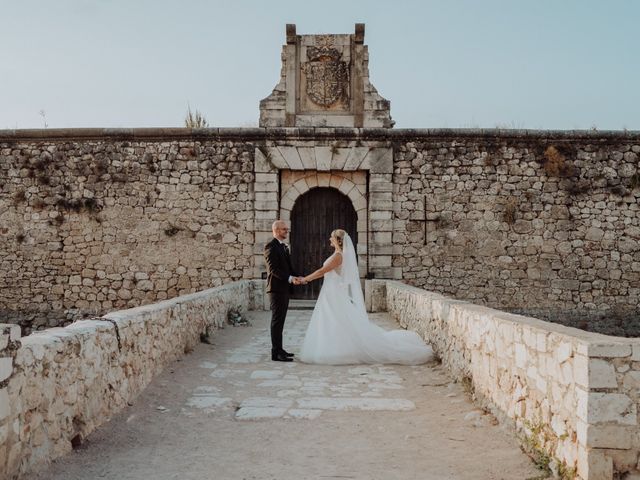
<point>226,411</point>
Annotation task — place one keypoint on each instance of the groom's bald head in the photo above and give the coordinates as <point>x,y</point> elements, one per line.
<point>280,229</point>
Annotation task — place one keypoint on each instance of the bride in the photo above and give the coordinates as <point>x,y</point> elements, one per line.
<point>340,331</point>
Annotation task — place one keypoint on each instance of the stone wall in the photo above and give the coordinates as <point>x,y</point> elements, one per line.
<point>544,222</point>
<point>573,395</point>
<point>68,381</point>
<point>96,221</point>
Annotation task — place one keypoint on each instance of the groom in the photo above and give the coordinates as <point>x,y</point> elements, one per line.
<point>280,278</point>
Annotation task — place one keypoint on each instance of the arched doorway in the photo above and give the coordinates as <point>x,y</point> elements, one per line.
<point>314,216</point>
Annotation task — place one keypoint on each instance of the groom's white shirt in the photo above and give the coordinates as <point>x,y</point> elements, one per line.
<point>286,247</point>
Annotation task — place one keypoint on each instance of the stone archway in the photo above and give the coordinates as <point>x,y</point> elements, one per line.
<point>362,170</point>
<point>353,185</point>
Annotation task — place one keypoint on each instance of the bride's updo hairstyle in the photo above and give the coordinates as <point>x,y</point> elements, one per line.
<point>339,236</point>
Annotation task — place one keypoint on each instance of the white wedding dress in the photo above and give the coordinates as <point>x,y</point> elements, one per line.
<point>340,332</point>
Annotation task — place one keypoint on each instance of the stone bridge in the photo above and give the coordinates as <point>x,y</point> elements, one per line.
<point>175,395</point>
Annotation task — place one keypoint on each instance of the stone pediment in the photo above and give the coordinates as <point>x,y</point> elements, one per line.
<point>324,82</point>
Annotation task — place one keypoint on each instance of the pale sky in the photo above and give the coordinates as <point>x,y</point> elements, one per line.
<point>551,64</point>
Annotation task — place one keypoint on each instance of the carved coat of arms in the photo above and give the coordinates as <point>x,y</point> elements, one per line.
<point>327,76</point>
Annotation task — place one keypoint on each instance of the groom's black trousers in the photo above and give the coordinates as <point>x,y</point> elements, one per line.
<point>279,307</point>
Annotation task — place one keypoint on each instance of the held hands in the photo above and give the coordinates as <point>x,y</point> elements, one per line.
<point>299,281</point>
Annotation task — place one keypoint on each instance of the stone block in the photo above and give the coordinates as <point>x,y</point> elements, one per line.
<point>380,260</point>
<point>377,249</point>
<point>631,381</point>
<point>558,425</point>
<point>262,164</point>
<point>521,355</point>
<point>5,406</point>
<point>287,203</point>
<point>382,225</point>
<point>563,352</point>
<point>611,408</point>
<point>312,181</point>
<point>396,273</point>
<point>581,432</point>
<point>602,374</point>
<point>541,342</point>
<point>582,405</point>
<point>301,186</point>
<point>262,225</point>
<point>384,186</point>
<point>6,368</point>
<point>263,205</point>
<point>594,464</point>
<point>336,181</point>
<point>594,234</point>
<point>623,460</point>
<point>379,160</point>
<point>609,350</point>
<point>308,157</point>
<point>376,295</point>
<point>266,196</point>
<point>381,238</point>
<point>360,203</point>
<point>339,158</point>
<point>291,157</point>
<point>381,215</point>
<point>580,370</point>
<point>355,158</point>
<point>323,158</point>
<point>324,179</point>
<point>266,178</point>
<point>263,238</point>
<point>276,159</point>
<point>608,436</point>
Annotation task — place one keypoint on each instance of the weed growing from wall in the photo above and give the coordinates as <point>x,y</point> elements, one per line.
<point>556,163</point>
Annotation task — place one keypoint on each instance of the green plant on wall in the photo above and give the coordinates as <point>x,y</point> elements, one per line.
<point>534,443</point>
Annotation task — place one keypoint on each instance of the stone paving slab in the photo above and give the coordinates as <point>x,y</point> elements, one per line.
<point>227,411</point>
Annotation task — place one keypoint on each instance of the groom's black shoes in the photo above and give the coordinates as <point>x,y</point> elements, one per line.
<point>281,357</point>
<point>287,353</point>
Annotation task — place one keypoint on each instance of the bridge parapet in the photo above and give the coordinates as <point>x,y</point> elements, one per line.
<point>572,394</point>
<point>60,384</point>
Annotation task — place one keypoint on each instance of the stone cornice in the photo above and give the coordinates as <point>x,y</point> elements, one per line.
<point>302,133</point>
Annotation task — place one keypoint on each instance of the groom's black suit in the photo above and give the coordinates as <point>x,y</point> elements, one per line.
<point>279,269</point>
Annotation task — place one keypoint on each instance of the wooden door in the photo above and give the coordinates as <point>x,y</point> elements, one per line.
<point>314,216</point>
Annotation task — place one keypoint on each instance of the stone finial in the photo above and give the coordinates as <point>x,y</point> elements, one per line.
<point>324,82</point>
<point>359,37</point>
<point>291,33</point>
